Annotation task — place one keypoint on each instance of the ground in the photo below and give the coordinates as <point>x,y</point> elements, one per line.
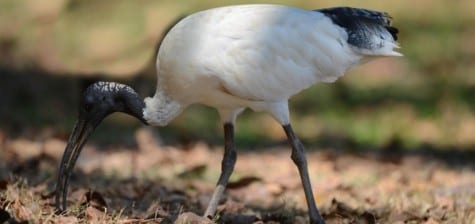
<point>152,183</point>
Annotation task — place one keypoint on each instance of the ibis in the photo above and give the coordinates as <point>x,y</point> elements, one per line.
<point>237,57</point>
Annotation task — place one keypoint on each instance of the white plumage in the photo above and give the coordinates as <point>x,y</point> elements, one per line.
<point>255,56</point>
<point>237,57</point>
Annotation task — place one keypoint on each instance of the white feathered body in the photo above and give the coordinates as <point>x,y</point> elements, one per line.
<point>255,56</point>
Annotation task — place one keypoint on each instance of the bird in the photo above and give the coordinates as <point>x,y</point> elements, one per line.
<point>236,57</point>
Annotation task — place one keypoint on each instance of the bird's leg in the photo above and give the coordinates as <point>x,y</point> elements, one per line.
<point>300,159</point>
<point>227,167</point>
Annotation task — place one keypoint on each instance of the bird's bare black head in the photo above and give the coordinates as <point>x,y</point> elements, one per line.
<point>103,98</point>
<point>98,101</point>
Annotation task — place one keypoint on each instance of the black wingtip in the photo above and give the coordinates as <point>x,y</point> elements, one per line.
<point>361,24</point>
<point>393,31</point>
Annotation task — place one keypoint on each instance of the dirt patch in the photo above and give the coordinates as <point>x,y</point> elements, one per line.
<point>163,184</point>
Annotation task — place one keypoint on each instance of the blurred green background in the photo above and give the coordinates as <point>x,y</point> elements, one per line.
<point>49,50</point>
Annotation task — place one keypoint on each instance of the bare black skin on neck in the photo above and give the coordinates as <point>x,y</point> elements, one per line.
<point>98,101</point>
<point>103,98</point>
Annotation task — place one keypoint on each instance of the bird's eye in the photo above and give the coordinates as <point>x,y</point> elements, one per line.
<point>87,106</point>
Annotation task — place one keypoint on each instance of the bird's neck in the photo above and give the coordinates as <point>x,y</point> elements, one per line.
<point>133,104</point>
<point>136,107</point>
<point>160,109</point>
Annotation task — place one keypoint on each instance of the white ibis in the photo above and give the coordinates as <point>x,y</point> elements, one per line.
<point>237,57</point>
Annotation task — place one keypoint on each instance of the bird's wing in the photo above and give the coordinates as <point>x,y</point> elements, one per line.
<point>369,31</point>
<point>269,52</point>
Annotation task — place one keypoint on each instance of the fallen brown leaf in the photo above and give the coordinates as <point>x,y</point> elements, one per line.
<point>231,206</point>
<point>192,218</point>
<point>65,220</point>
<point>24,149</point>
<point>95,199</point>
<point>54,148</point>
<point>21,212</point>
<point>243,182</point>
<point>94,215</point>
<point>431,221</point>
<point>193,172</point>
<point>274,188</point>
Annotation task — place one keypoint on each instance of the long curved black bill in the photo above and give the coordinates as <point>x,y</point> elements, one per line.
<point>81,131</point>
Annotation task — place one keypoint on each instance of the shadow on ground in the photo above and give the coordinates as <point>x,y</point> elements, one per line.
<point>163,184</point>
